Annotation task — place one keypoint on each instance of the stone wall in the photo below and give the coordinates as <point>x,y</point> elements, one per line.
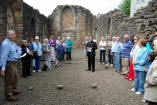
<point>73,21</point>
<point>144,23</point>
<point>34,23</point>
<point>26,21</point>
<point>3,18</point>
<point>10,17</point>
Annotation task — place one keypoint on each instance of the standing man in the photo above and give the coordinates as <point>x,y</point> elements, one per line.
<point>37,53</point>
<point>9,57</point>
<point>91,47</point>
<point>113,50</point>
<point>126,49</point>
<point>117,55</point>
<point>109,45</point>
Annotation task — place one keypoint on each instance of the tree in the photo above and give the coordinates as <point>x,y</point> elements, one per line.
<point>125,6</point>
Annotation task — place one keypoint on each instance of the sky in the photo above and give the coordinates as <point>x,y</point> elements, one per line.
<point>46,7</point>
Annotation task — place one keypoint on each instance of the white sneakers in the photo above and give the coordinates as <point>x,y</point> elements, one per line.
<point>133,90</point>
<point>138,93</point>
<point>103,63</point>
<point>111,65</point>
<point>107,64</point>
<point>38,71</point>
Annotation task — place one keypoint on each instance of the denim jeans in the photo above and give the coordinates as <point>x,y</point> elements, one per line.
<point>117,59</point>
<point>37,63</point>
<point>139,81</point>
<point>102,55</point>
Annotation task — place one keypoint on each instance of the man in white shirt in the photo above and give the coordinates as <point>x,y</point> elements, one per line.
<point>113,49</point>
<point>109,45</point>
<point>102,46</point>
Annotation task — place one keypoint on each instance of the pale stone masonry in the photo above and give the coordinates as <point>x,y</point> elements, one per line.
<point>137,4</point>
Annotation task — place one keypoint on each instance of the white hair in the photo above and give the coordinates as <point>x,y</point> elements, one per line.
<point>68,37</point>
<point>10,32</point>
<point>113,37</point>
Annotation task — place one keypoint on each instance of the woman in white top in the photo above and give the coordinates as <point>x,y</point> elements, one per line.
<point>102,46</point>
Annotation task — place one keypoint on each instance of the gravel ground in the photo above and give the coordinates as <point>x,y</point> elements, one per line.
<point>112,88</point>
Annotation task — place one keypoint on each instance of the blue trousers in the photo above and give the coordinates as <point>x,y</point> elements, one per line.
<point>139,81</point>
<point>102,55</point>
<point>37,63</point>
<point>117,59</point>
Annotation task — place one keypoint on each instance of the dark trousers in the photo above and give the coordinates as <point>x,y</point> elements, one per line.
<point>68,57</point>
<point>113,59</point>
<point>26,65</point>
<point>102,55</point>
<point>152,103</point>
<point>110,61</point>
<point>91,61</point>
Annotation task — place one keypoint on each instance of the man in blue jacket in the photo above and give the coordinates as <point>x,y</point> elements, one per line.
<point>126,49</point>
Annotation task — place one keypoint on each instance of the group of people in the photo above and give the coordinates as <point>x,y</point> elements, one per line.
<point>31,55</point>
<point>133,59</point>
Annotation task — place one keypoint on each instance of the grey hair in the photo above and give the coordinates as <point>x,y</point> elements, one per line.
<point>10,32</point>
<point>45,39</point>
<point>126,35</point>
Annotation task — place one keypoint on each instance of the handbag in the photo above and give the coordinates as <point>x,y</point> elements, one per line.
<point>35,54</point>
<point>45,68</point>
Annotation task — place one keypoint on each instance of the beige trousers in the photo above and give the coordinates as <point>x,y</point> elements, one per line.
<point>125,65</point>
<point>11,78</point>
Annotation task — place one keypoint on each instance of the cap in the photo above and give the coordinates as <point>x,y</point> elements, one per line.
<point>36,37</point>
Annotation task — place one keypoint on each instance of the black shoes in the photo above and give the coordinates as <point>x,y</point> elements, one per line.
<point>88,70</point>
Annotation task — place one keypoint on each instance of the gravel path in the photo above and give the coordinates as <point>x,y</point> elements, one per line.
<point>112,88</point>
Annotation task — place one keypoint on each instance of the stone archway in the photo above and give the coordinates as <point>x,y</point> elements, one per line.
<point>108,28</point>
<point>67,19</point>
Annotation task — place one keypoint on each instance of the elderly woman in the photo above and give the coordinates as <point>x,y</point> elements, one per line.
<point>26,59</point>
<point>68,48</point>
<point>151,81</point>
<point>47,54</point>
<point>52,44</point>
<point>131,74</point>
<point>140,60</point>
<point>102,46</point>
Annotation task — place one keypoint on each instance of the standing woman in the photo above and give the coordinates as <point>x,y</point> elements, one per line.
<point>52,44</point>
<point>68,48</point>
<point>140,60</point>
<point>151,81</point>
<point>47,53</point>
<point>26,59</point>
<point>85,44</point>
<point>102,46</point>
<point>131,74</point>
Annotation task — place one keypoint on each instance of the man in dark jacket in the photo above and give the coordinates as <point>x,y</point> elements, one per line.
<point>91,47</point>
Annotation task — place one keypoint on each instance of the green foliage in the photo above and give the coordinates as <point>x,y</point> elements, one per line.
<point>125,6</point>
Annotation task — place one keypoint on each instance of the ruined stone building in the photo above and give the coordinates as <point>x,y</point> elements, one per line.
<point>76,22</point>
<point>26,21</point>
<point>116,23</point>
<point>73,21</point>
